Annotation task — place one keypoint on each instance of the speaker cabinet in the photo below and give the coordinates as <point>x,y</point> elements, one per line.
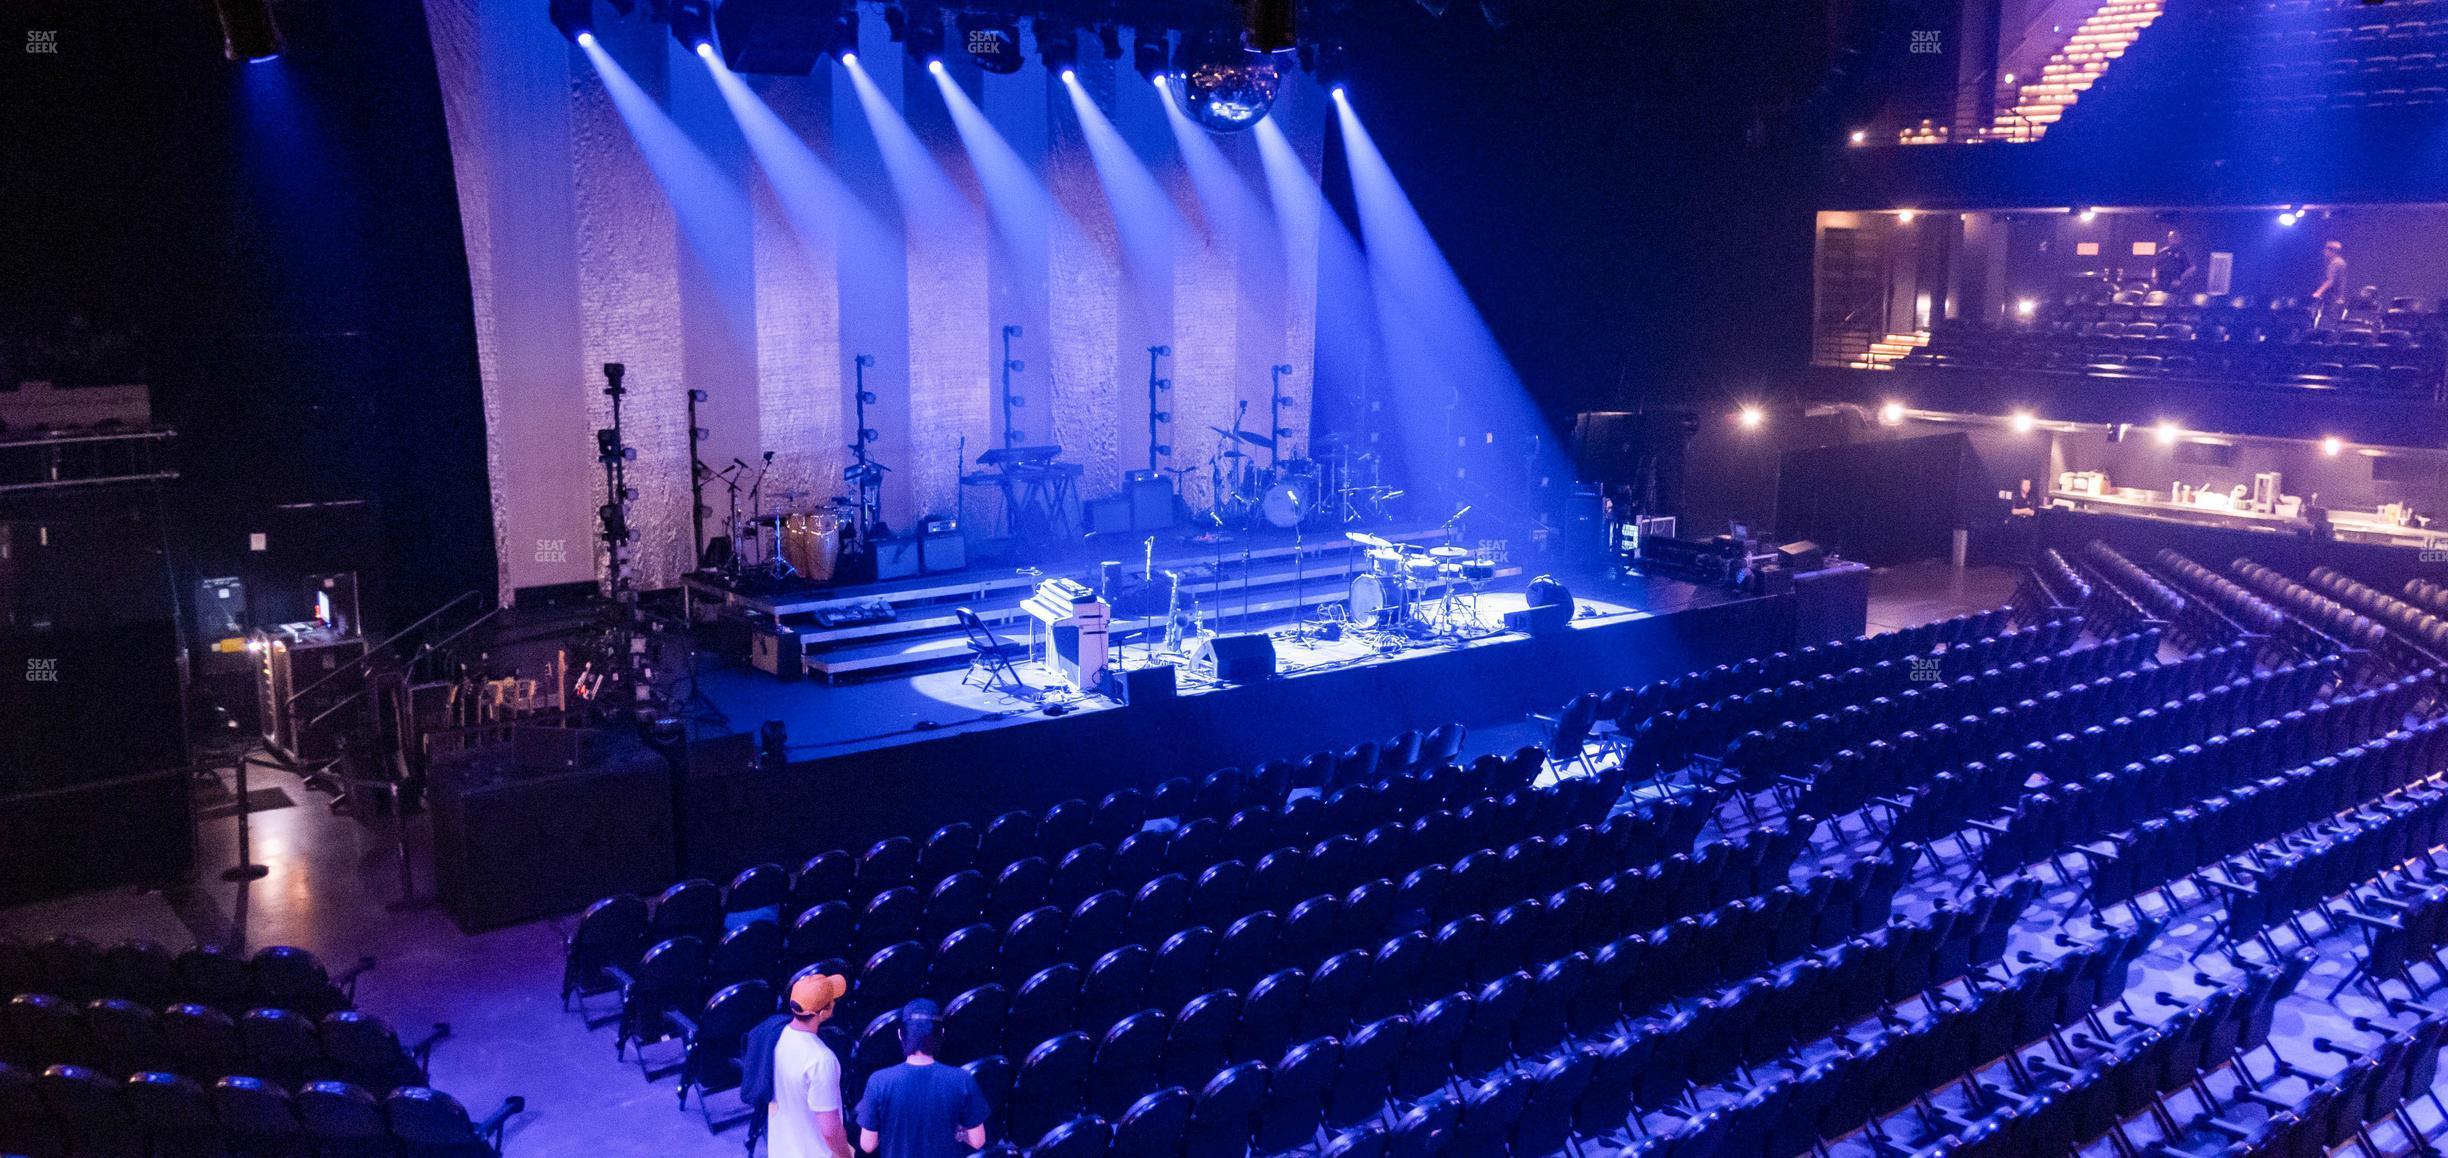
<point>1542,620</point>
<point>1143,684</point>
<point>1236,659</point>
<point>776,651</point>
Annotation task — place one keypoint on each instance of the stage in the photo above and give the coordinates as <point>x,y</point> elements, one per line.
<point>908,753</point>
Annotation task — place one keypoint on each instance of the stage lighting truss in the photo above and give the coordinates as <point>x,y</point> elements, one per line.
<point>1057,44</point>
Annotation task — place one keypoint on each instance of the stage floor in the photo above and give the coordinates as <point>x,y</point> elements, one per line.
<point>830,719</point>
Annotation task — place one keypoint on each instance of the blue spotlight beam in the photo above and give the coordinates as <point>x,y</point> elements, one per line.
<point>1457,400</point>
<point>821,209</point>
<point>1024,213</point>
<point>704,199</point>
<point>1224,199</point>
<point>926,193</point>
<point>1150,226</point>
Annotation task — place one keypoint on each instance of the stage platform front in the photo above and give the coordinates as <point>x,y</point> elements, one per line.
<point>874,759</point>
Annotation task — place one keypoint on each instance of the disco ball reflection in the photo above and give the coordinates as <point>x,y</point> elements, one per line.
<point>1232,96</point>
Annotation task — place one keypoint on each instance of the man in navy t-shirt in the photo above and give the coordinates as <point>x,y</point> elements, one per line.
<point>921,1109</point>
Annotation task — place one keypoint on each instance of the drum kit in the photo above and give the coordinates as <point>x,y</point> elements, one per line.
<point>1416,592</point>
<point>1333,488</point>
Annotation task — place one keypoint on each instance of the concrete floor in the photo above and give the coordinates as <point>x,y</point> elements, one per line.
<point>333,885</point>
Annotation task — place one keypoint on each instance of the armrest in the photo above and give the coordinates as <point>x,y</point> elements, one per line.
<point>491,1127</point>
<point>2229,886</point>
<point>347,978</point>
<point>2367,919</point>
<point>1550,721</point>
<point>422,1051</point>
<point>680,1021</point>
<point>620,975</point>
<point>1986,826</point>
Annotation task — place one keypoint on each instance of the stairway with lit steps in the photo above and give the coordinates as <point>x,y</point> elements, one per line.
<point>2100,39</point>
<point>1885,353</point>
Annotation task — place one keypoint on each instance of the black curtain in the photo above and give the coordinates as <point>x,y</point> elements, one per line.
<point>1879,503</point>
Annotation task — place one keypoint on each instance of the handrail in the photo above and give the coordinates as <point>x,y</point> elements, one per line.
<point>378,649</point>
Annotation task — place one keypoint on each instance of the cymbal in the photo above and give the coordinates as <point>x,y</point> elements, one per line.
<point>1368,540</point>
<point>1246,436</point>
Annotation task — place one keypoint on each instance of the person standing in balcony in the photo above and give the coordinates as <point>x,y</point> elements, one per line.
<point>2172,268</point>
<point>2332,292</point>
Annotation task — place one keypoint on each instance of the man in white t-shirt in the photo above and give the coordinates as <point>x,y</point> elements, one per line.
<point>805,1119</point>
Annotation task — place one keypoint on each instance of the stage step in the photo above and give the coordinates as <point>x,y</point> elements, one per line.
<point>949,646</point>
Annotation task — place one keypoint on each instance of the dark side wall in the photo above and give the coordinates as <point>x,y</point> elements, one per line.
<point>283,241</point>
<point>1620,187</point>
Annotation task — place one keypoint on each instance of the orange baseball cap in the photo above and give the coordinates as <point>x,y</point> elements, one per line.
<point>813,993</point>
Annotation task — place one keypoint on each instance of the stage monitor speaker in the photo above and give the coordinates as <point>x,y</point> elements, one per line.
<point>1541,619</point>
<point>1141,685</point>
<point>1802,555</point>
<point>776,651</point>
<point>897,557</point>
<point>1237,659</point>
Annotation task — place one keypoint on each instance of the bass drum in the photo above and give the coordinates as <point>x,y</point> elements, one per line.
<point>1288,501</point>
<point>1375,602</point>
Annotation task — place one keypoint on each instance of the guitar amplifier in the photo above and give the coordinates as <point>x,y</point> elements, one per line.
<point>899,557</point>
<point>1151,501</point>
<point>942,550</point>
<point>775,650</point>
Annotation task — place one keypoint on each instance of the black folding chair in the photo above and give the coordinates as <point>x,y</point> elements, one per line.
<point>990,655</point>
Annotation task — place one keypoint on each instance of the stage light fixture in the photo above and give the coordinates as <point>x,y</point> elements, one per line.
<point>2026,307</point>
<point>1270,26</point>
<point>1151,56</point>
<point>2289,216</point>
<point>2165,432</point>
<point>850,58</point>
<point>1057,45</point>
<point>575,19</point>
<point>923,36</point>
<point>2024,422</point>
<point>1337,93</point>
<point>1859,136</point>
<point>1891,413</point>
<point>2085,214</point>
<point>2009,78</point>
<point>780,37</point>
<point>844,42</point>
<point>1905,216</point>
<point>2332,445</point>
<point>250,35</point>
<point>1751,417</point>
<point>692,23</point>
<point>936,67</point>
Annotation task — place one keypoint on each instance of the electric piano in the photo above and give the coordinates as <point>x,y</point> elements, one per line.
<point>1075,621</point>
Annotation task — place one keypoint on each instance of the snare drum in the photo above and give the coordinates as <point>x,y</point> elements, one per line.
<point>1479,570</point>
<point>1385,563</point>
<point>1421,568</point>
